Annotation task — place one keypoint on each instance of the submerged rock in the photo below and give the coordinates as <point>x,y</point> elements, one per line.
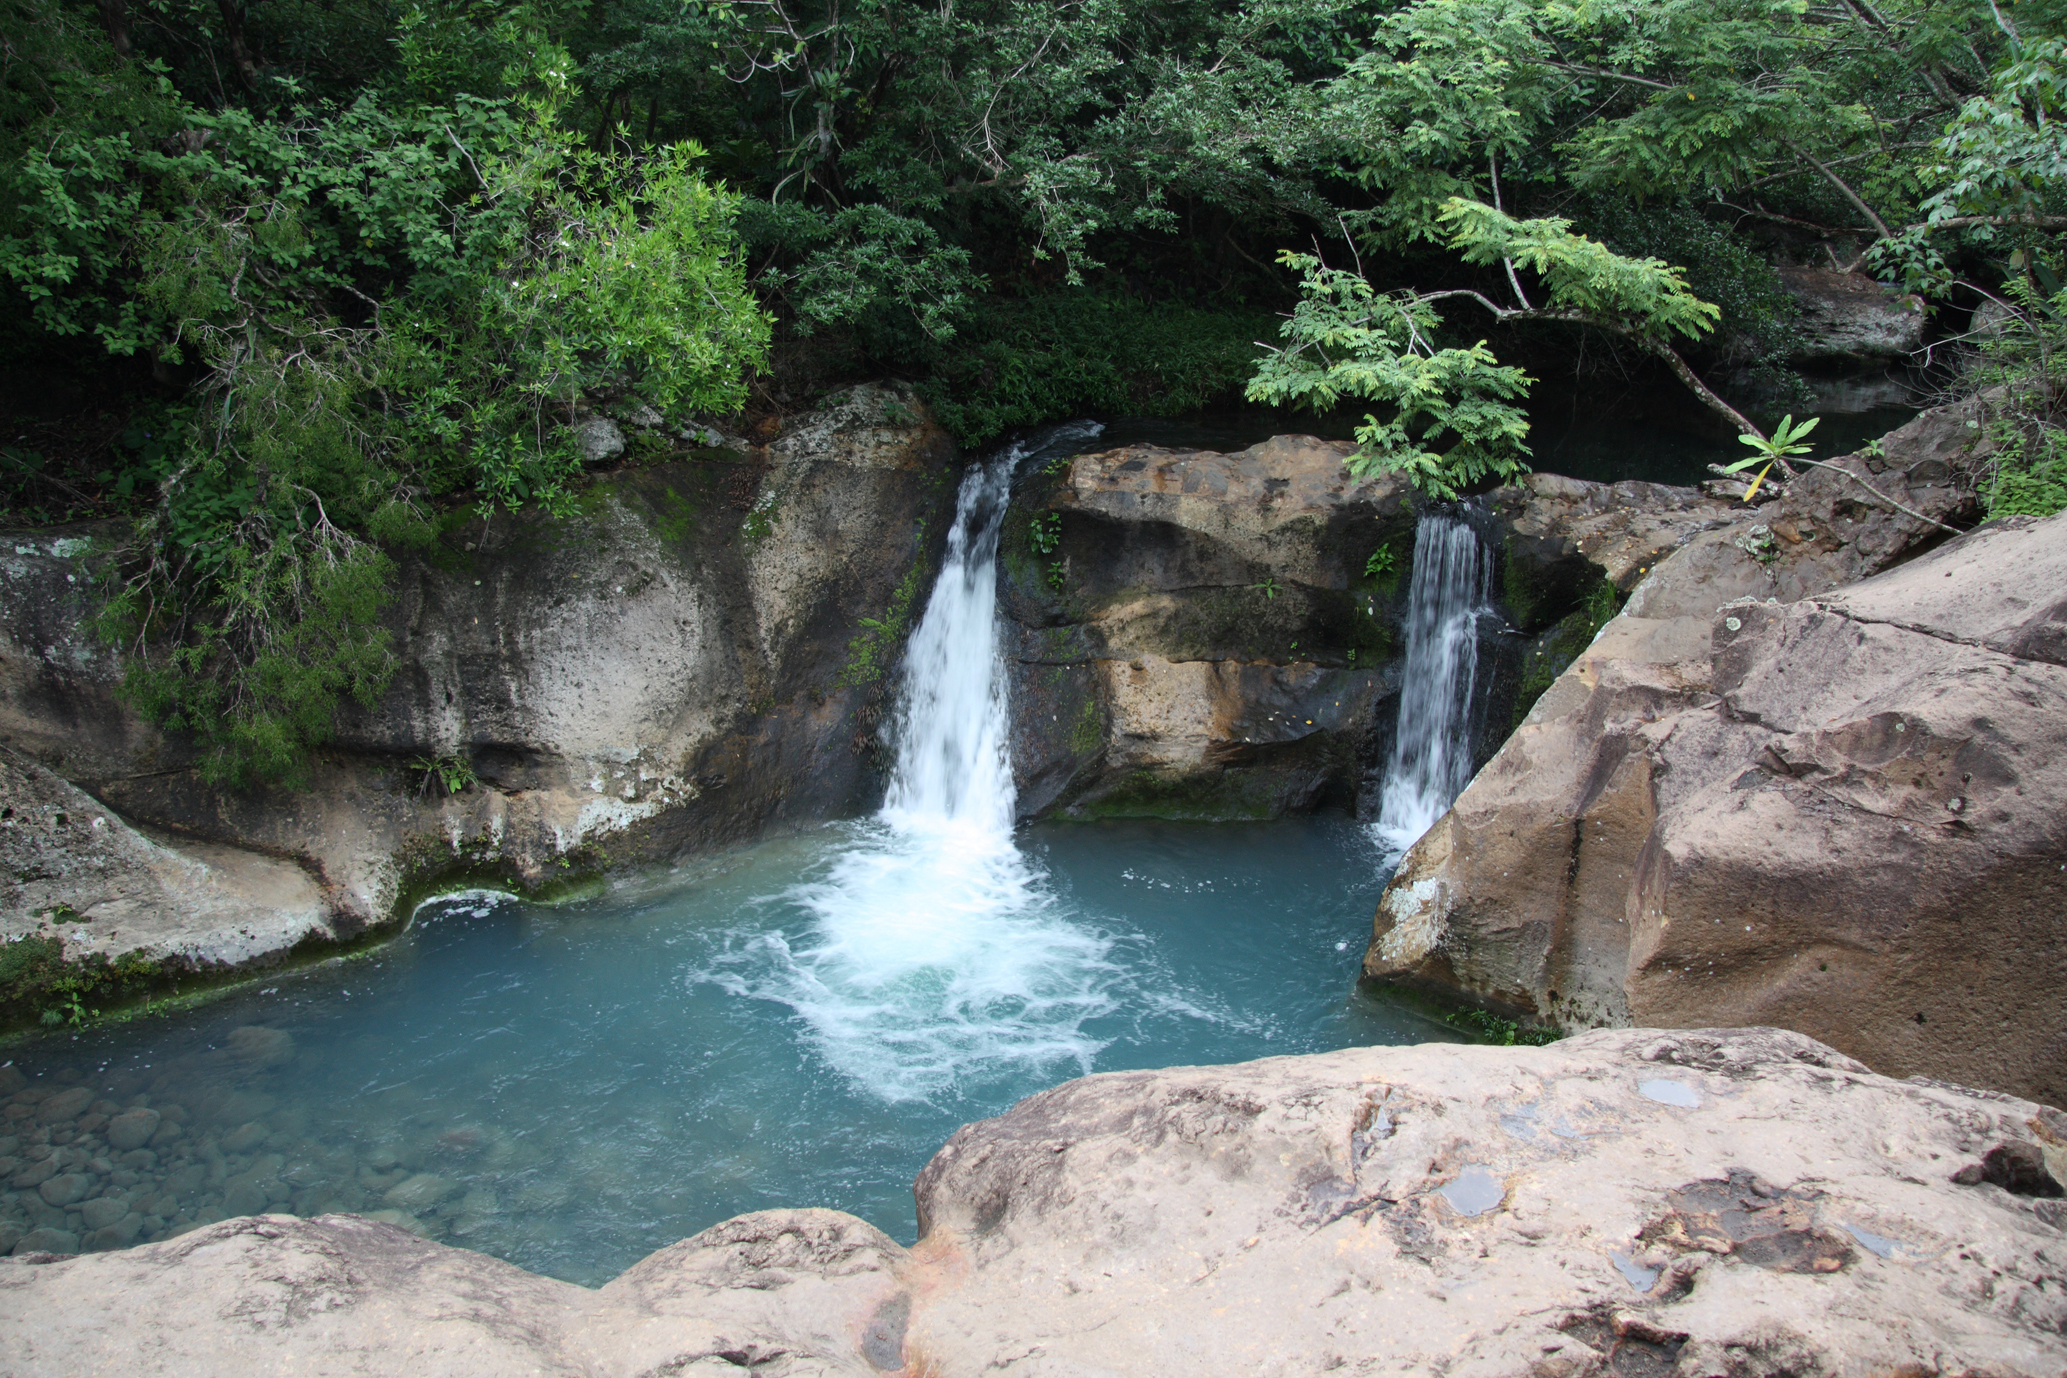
<point>1843,811</point>
<point>1746,1202</point>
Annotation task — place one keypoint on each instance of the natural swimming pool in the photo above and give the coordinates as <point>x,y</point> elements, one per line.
<point>572,1087</point>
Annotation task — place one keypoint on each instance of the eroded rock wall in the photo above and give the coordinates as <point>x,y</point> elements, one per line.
<point>1202,639</point>
<point>1767,794</point>
<point>682,664</point>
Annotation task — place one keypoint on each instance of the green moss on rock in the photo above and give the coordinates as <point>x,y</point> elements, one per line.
<point>1552,652</point>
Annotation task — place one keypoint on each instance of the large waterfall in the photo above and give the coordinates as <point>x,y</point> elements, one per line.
<point>938,957</point>
<point>953,728</point>
<point>1431,751</point>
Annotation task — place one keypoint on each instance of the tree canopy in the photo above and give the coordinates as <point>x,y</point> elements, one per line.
<point>354,264</point>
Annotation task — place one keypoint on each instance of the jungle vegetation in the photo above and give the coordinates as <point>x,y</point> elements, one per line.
<point>292,282</point>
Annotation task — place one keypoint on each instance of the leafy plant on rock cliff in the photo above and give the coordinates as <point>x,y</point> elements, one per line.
<point>388,306</point>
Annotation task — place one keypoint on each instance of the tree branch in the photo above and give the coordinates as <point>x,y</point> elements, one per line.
<point>1658,348</point>
<point>1843,186</point>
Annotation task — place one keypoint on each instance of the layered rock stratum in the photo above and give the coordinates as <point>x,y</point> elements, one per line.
<point>1747,1203</point>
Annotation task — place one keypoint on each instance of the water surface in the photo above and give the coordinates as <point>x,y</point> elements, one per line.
<point>584,1084</point>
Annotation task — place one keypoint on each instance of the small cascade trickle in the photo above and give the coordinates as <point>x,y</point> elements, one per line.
<point>1431,750</point>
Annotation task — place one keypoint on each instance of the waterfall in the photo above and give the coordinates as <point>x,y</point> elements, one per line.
<point>936,958</point>
<point>953,725</point>
<point>1431,750</point>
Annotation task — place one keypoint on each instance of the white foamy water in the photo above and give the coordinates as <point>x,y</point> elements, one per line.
<point>1431,751</point>
<point>938,957</point>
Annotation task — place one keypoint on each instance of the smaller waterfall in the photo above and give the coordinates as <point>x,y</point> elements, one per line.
<point>1431,751</point>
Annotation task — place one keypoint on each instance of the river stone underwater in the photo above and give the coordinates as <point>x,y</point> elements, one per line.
<point>572,1087</point>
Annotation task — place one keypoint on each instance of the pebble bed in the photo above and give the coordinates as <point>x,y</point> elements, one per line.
<point>102,1161</point>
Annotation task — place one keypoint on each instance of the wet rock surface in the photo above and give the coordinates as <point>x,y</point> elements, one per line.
<point>1839,810</point>
<point>1196,634</point>
<point>75,873</point>
<point>680,665</point>
<point>1745,1202</point>
<point>1850,319</point>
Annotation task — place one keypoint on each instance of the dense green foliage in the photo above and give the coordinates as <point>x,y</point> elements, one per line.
<point>38,987</point>
<point>349,269</point>
<point>379,305</point>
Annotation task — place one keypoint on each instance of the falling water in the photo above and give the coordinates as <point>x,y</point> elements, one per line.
<point>939,958</point>
<point>1431,751</point>
<point>954,766</point>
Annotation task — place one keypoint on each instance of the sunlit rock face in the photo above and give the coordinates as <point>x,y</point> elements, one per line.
<point>1195,634</point>
<point>1745,1202</point>
<point>1767,794</point>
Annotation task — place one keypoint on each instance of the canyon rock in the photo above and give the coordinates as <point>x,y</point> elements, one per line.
<point>700,653</point>
<point>1850,318</point>
<point>80,878</point>
<point>1767,795</point>
<point>1194,634</point>
<point>1740,1202</point>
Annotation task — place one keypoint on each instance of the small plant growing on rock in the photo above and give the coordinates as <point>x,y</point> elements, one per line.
<point>761,519</point>
<point>1492,1028</point>
<point>1759,544</point>
<point>1268,586</point>
<point>1785,441</point>
<point>1044,533</point>
<point>449,774</point>
<point>1381,564</point>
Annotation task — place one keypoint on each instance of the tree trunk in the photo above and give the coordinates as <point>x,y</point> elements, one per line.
<point>240,49</point>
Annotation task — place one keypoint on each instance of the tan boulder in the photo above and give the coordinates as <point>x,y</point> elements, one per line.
<point>75,873</point>
<point>1743,1202</point>
<point>1844,814</point>
<point>1204,640</point>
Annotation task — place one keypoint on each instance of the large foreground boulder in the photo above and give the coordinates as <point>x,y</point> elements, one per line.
<point>1745,1203</point>
<point>1765,796</point>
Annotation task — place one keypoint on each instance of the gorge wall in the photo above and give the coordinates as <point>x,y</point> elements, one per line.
<point>698,655</point>
<point>1767,794</point>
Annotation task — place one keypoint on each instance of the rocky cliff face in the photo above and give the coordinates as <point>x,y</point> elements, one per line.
<point>1200,635</point>
<point>683,664</point>
<point>1767,794</point>
<point>1746,1203</point>
<point>1198,638</point>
